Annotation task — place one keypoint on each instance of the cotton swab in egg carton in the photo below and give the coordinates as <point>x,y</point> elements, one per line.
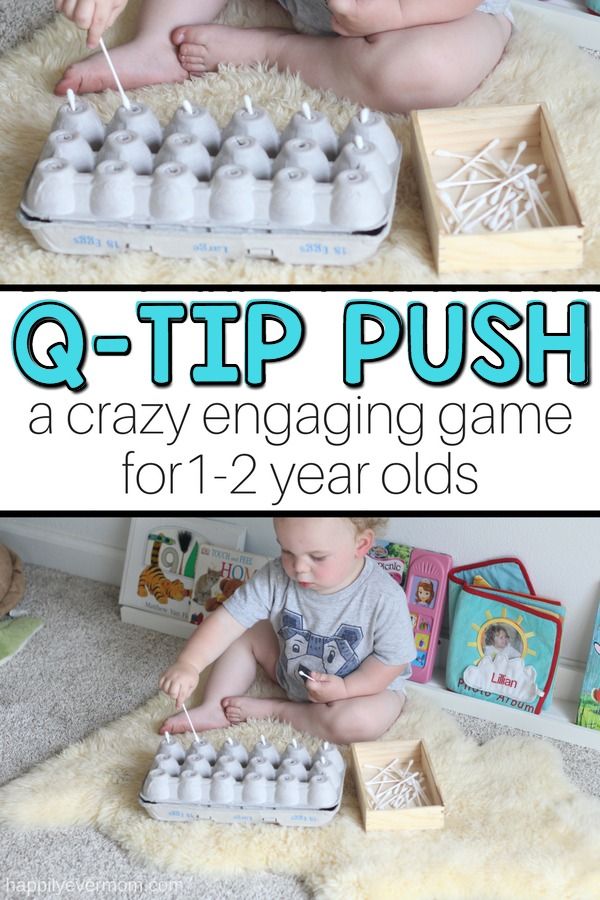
<point>494,194</point>
<point>188,184</point>
<point>240,784</point>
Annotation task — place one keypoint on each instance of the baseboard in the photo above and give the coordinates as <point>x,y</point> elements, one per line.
<point>67,553</point>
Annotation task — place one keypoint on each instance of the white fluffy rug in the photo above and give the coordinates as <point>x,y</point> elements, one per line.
<point>538,65</point>
<point>515,826</point>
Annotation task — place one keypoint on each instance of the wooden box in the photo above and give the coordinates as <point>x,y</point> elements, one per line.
<point>467,131</point>
<point>381,753</point>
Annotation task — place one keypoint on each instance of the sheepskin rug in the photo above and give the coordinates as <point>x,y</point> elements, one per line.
<point>538,65</point>
<point>515,826</point>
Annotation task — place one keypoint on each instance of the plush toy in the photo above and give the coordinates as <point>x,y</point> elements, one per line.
<point>12,580</point>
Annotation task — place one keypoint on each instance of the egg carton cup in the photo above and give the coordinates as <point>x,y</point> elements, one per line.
<point>260,784</point>
<point>191,189</point>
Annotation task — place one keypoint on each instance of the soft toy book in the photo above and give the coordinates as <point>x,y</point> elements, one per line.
<point>588,713</point>
<point>504,639</point>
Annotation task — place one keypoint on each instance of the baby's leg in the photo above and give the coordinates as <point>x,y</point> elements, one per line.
<point>395,71</point>
<point>343,721</point>
<point>150,57</point>
<point>233,672</point>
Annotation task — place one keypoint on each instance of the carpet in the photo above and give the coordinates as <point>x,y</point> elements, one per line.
<point>515,826</point>
<point>538,65</point>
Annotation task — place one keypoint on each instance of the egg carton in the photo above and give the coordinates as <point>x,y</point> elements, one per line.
<point>235,784</point>
<point>191,189</point>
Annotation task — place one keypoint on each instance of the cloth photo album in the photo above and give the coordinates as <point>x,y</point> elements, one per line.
<point>504,639</point>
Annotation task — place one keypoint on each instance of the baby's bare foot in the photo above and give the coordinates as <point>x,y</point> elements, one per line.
<point>203,717</point>
<point>201,48</point>
<point>137,63</point>
<point>238,709</point>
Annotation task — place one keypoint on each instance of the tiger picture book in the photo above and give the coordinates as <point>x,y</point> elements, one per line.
<point>161,568</point>
<point>588,713</point>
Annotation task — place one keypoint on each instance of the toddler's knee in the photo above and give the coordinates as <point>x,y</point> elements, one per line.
<point>429,84</point>
<point>346,727</point>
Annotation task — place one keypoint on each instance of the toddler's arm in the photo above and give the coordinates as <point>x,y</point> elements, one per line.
<point>355,18</point>
<point>371,677</point>
<point>94,16</point>
<point>210,639</point>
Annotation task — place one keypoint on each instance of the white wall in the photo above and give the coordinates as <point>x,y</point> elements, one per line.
<point>562,554</point>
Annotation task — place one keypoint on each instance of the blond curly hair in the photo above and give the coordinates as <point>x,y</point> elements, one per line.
<point>365,523</point>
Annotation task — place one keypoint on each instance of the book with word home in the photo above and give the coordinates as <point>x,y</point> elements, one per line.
<point>220,572</point>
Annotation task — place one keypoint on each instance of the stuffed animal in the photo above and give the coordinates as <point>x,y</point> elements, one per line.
<point>12,580</point>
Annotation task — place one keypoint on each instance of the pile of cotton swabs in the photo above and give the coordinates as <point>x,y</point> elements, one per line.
<point>496,194</point>
<point>394,787</point>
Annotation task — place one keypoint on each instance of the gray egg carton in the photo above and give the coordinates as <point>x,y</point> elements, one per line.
<point>193,190</point>
<point>234,784</point>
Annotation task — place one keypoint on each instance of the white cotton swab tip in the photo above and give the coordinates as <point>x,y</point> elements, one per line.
<point>167,737</point>
<point>124,97</point>
<point>248,104</point>
<point>263,740</point>
<point>359,142</point>
<point>306,111</point>
<point>365,114</point>
<point>190,721</point>
<point>187,107</point>
<point>71,98</point>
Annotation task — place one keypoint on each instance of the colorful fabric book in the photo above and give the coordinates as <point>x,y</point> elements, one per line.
<point>588,713</point>
<point>504,639</point>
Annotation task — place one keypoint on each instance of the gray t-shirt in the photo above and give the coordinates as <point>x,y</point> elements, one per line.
<point>330,633</point>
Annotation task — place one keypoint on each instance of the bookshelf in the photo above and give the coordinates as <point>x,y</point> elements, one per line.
<point>557,723</point>
<point>570,17</point>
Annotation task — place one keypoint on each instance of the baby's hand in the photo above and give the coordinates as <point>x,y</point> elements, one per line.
<point>94,16</point>
<point>355,18</point>
<point>324,688</point>
<point>179,681</point>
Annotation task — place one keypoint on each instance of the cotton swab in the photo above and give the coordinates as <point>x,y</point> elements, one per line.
<point>248,104</point>
<point>196,738</point>
<point>309,677</point>
<point>124,97</point>
<point>188,108</point>
<point>71,99</point>
<point>306,111</point>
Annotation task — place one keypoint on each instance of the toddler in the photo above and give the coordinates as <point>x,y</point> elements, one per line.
<point>391,55</point>
<point>324,621</point>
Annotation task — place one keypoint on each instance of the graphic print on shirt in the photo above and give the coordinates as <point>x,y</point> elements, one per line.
<point>334,654</point>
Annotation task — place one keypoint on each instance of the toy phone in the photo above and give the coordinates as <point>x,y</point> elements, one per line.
<point>426,588</point>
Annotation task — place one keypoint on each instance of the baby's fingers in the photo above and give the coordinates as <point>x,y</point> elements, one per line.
<point>97,27</point>
<point>66,7</point>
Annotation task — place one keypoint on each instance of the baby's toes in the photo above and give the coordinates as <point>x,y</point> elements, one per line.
<point>192,58</point>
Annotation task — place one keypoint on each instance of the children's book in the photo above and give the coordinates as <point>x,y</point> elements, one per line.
<point>220,572</point>
<point>504,638</point>
<point>424,576</point>
<point>588,713</point>
<point>161,567</point>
